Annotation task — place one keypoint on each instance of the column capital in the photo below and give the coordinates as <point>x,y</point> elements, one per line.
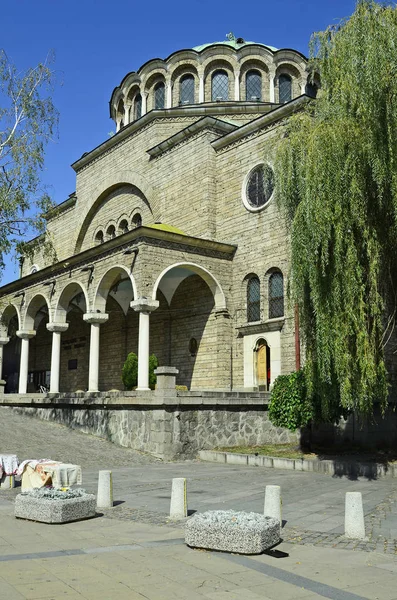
<point>25,334</point>
<point>4,340</point>
<point>98,318</point>
<point>57,327</point>
<point>145,305</point>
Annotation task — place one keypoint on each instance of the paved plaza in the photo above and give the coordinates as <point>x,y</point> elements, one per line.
<point>133,551</point>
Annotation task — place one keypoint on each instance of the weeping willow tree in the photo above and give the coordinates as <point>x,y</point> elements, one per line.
<point>336,169</point>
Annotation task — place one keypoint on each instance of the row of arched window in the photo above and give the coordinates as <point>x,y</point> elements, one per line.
<point>219,90</point>
<point>275,297</point>
<point>103,235</point>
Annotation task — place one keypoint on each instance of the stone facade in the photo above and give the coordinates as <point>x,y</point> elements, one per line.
<point>169,245</point>
<point>166,425</point>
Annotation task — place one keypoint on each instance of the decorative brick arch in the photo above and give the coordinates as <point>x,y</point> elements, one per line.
<point>69,291</point>
<point>107,281</point>
<point>34,305</point>
<point>153,197</point>
<point>7,314</point>
<point>210,280</point>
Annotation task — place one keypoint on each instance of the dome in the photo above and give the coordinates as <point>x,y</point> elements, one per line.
<point>233,42</point>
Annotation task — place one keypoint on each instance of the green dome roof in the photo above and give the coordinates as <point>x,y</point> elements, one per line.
<point>233,42</point>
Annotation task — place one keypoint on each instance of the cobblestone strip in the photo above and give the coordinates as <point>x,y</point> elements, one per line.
<point>373,521</point>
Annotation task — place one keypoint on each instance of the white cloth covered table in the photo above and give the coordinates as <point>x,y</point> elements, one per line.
<point>38,473</point>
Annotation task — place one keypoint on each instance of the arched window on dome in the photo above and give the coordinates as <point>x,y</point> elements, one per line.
<point>284,88</point>
<point>276,295</point>
<point>159,95</point>
<point>253,86</point>
<point>220,86</point>
<point>186,95</point>
<point>253,300</point>
<point>138,107</point>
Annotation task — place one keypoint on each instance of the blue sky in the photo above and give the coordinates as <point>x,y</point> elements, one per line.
<point>96,42</point>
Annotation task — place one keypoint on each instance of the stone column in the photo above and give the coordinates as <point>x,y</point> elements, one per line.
<point>56,330</point>
<point>223,348</point>
<point>272,96</point>
<point>303,85</point>
<point>144,104</point>
<point>3,341</point>
<point>201,88</point>
<point>95,320</point>
<point>24,363</point>
<point>237,86</point>
<point>144,306</point>
<point>168,94</point>
<point>127,109</point>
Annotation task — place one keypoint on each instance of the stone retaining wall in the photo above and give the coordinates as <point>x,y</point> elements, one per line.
<point>168,425</point>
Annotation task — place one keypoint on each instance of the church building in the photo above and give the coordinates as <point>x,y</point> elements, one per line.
<point>172,243</point>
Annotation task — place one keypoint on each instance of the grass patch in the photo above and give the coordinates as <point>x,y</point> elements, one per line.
<point>293,451</point>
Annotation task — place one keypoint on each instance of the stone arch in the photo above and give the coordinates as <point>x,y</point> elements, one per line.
<point>153,197</point>
<point>33,307</point>
<point>218,64</point>
<point>66,295</point>
<point>177,74</point>
<point>7,314</point>
<point>158,77</point>
<point>255,64</point>
<point>210,280</point>
<point>108,280</point>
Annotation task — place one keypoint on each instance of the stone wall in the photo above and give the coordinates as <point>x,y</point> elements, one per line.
<point>167,426</point>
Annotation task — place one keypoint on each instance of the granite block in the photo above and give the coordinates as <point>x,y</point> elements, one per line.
<point>46,510</point>
<point>232,531</point>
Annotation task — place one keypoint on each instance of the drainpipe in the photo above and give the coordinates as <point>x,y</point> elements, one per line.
<point>297,340</point>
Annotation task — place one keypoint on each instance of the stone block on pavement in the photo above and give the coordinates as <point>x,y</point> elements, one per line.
<point>48,506</point>
<point>232,531</point>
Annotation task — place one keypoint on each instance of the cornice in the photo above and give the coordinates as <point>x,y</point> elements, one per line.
<point>140,235</point>
<point>264,121</point>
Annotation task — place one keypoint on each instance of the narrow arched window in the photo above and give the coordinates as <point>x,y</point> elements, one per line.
<point>276,295</point>
<point>284,88</point>
<point>136,221</point>
<point>187,90</point>
<point>253,86</point>
<point>159,95</point>
<point>111,232</point>
<point>99,238</point>
<point>253,300</point>
<point>123,226</point>
<point>220,86</point>
<point>138,106</point>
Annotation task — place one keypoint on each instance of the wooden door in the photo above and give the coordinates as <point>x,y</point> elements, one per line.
<point>261,365</point>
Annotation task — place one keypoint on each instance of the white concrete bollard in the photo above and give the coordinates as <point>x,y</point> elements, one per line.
<point>105,490</point>
<point>354,516</point>
<point>273,502</point>
<point>178,507</point>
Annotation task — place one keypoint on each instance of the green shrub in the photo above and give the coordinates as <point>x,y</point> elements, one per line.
<point>153,364</point>
<point>129,373</point>
<point>290,406</point>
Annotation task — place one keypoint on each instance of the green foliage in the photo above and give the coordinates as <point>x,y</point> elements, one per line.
<point>129,373</point>
<point>28,121</point>
<point>289,405</point>
<point>153,364</point>
<point>336,169</point>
